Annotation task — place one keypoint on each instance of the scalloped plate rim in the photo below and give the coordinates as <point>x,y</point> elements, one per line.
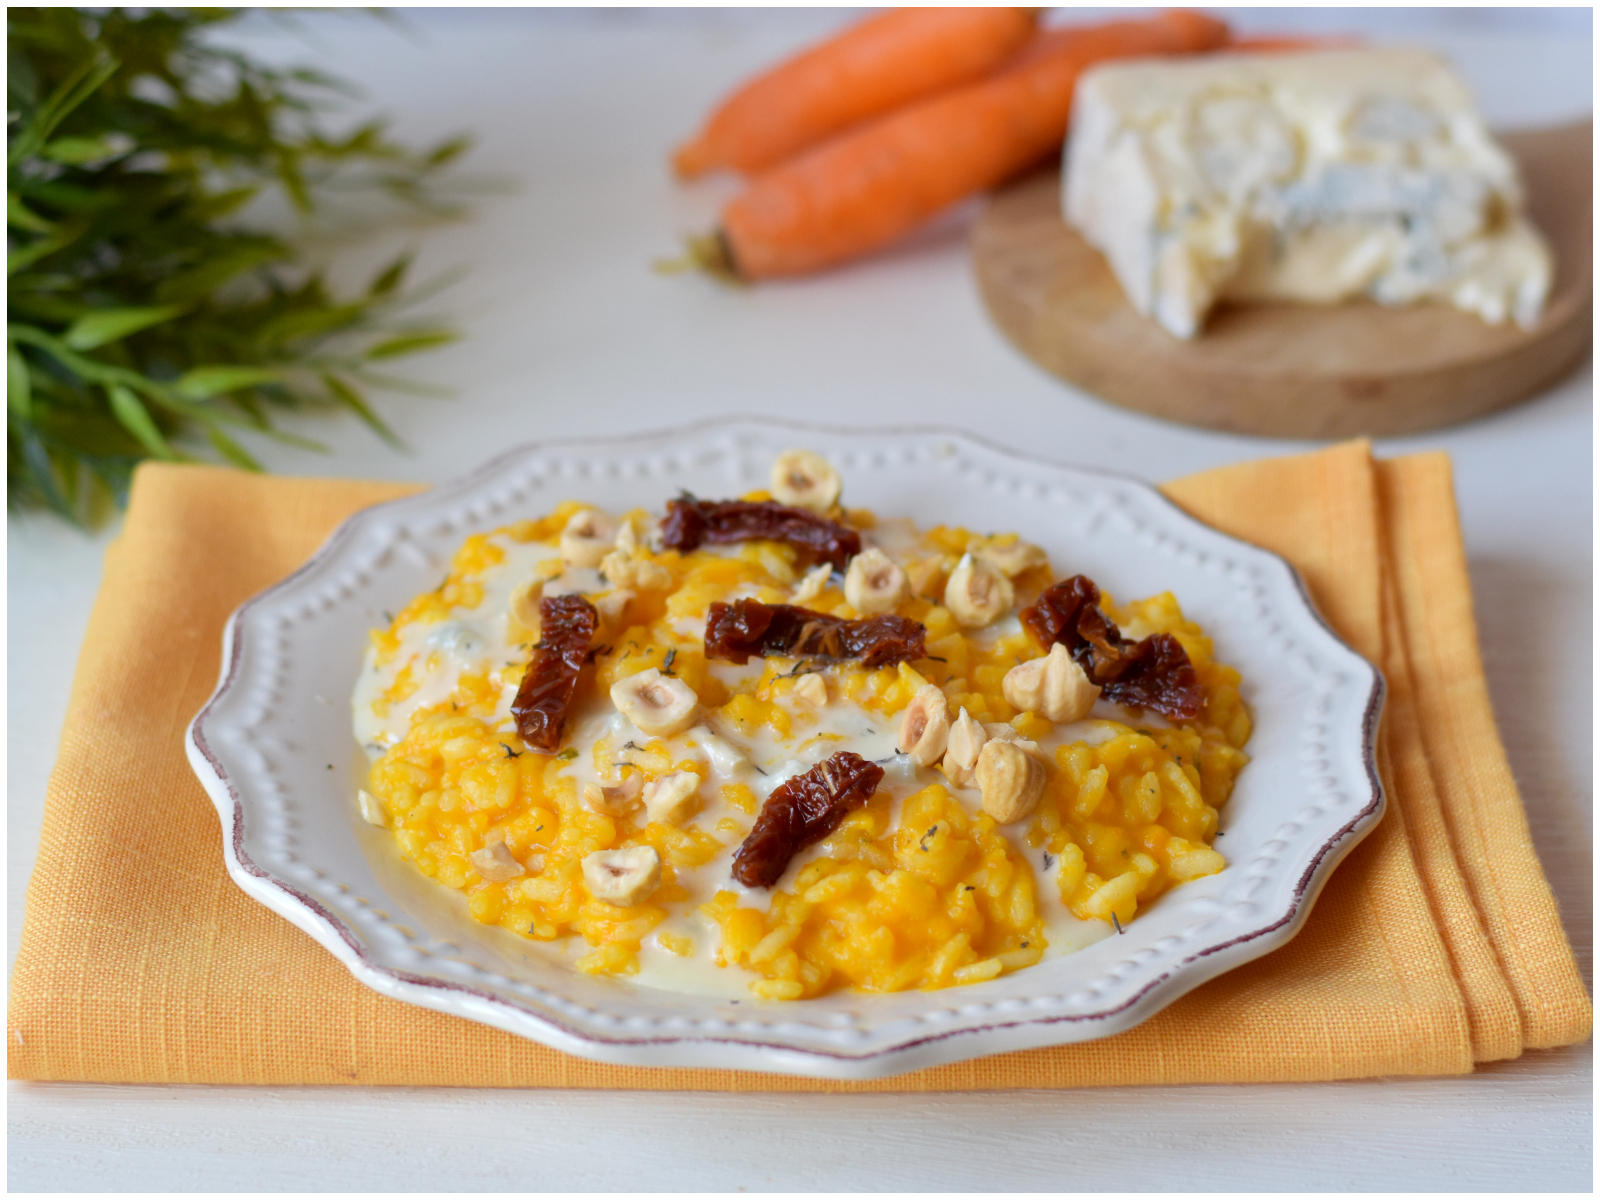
<point>702,1050</point>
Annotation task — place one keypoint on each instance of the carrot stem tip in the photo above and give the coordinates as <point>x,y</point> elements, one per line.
<point>708,253</point>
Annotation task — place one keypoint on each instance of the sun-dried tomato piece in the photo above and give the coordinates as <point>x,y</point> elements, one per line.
<point>566,629</point>
<point>691,523</point>
<point>736,631</point>
<point>1154,673</point>
<point>801,812</point>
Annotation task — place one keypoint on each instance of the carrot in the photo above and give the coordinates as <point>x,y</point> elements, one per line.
<point>870,68</point>
<point>1290,43</point>
<point>868,186</point>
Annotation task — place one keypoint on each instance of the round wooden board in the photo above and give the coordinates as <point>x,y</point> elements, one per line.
<point>1286,370</point>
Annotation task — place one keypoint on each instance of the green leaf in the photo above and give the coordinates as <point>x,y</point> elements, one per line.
<point>75,151</point>
<point>393,383</point>
<point>308,323</point>
<point>113,324</point>
<point>67,473</point>
<point>231,450</point>
<point>202,383</point>
<point>28,255</point>
<point>356,403</point>
<point>410,343</point>
<point>320,79</point>
<point>20,216</point>
<point>209,208</point>
<point>19,391</point>
<point>44,308</point>
<point>136,420</point>
<point>294,181</point>
<point>390,277</point>
<point>22,83</point>
<point>72,91</point>
<point>210,275</point>
<point>447,152</point>
<point>85,368</point>
<point>283,437</point>
<point>110,478</point>
<point>43,475</point>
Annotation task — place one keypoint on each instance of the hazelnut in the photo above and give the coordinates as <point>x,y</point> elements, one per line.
<point>617,567</point>
<point>874,583</point>
<point>811,584</point>
<point>657,704</point>
<point>999,731</point>
<point>967,738</point>
<point>924,578</point>
<point>670,798</point>
<point>1014,559</point>
<point>371,809</point>
<point>805,480</point>
<point>811,690</point>
<point>613,604</point>
<point>1010,780</point>
<point>925,728</point>
<point>977,592</point>
<point>651,576</point>
<point>587,538</point>
<point>524,605</point>
<point>623,571</point>
<point>627,540</point>
<point>616,800</point>
<point>1054,686</point>
<point>495,863</point>
<point>623,877</point>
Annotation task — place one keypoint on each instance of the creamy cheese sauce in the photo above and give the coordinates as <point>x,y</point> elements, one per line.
<point>438,653</point>
<point>484,639</point>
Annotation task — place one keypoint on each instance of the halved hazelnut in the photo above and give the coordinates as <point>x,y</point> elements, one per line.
<point>967,739</point>
<point>651,576</point>
<point>617,567</point>
<point>1010,780</point>
<point>1015,558</point>
<point>999,731</point>
<point>811,689</point>
<point>623,571</point>
<point>658,704</point>
<point>524,604</point>
<point>1054,686</point>
<point>495,863</point>
<point>670,798</point>
<point>627,540</point>
<point>623,877</point>
<point>587,538</point>
<point>616,800</point>
<point>925,577</point>
<point>811,584</point>
<point>613,604</point>
<point>874,583</point>
<point>925,728</point>
<point>805,480</point>
<point>977,592</point>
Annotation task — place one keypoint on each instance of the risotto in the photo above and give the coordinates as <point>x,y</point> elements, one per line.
<point>797,745</point>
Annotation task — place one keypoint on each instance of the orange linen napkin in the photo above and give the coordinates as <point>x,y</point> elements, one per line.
<point>1435,945</point>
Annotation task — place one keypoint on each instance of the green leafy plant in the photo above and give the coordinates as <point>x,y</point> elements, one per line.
<point>145,317</point>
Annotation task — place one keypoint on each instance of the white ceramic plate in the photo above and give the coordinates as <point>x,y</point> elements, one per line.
<point>274,749</point>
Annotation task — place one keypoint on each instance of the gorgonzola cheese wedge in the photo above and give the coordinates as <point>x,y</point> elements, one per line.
<point>1310,177</point>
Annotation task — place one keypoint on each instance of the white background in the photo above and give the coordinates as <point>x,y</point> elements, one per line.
<point>570,331</point>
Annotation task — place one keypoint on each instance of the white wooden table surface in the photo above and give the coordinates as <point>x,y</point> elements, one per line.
<point>570,331</point>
